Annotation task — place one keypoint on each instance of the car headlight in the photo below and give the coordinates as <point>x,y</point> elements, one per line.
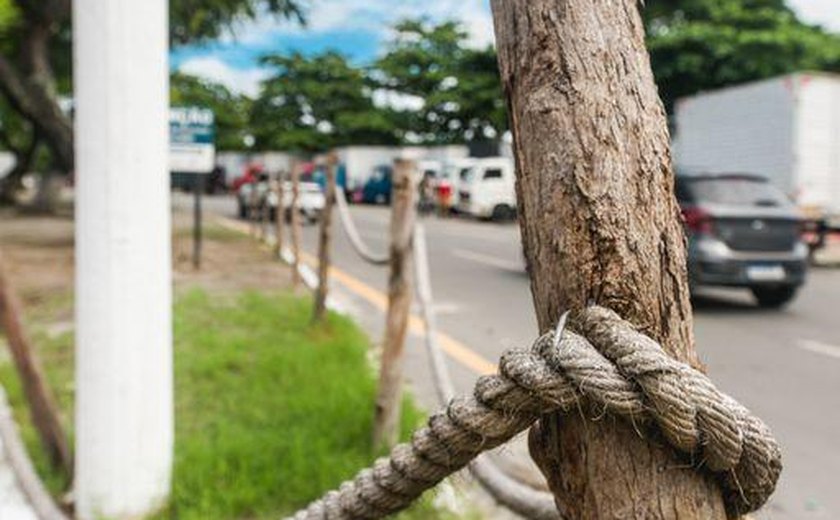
<point>800,250</point>
<point>713,247</point>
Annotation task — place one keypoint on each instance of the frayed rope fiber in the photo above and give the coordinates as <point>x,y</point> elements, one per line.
<point>607,363</point>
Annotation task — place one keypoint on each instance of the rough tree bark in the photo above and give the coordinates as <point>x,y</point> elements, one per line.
<point>325,242</point>
<point>400,281</point>
<point>42,405</point>
<point>599,224</point>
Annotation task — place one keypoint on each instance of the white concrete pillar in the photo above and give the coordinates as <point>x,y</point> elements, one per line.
<point>124,408</point>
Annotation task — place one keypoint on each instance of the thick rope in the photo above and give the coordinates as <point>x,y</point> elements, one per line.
<point>511,493</point>
<point>353,233</point>
<point>21,465</point>
<point>611,366</point>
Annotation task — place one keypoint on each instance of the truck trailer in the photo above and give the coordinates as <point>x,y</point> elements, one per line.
<point>786,129</point>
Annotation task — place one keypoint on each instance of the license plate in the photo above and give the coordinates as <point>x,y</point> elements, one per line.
<point>766,273</point>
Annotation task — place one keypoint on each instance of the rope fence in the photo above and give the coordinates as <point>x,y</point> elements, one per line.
<point>353,233</point>
<point>511,493</point>
<point>603,362</point>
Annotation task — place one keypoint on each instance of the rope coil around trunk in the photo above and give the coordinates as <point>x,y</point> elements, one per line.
<point>607,363</point>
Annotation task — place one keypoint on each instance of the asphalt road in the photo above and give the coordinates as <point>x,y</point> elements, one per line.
<point>784,365</point>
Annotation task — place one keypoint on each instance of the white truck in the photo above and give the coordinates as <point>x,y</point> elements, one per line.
<point>786,129</point>
<point>488,189</point>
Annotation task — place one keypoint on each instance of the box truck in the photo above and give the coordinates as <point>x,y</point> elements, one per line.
<point>786,129</point>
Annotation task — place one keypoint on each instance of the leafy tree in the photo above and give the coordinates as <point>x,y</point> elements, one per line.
<point>316,103</point>
<point>459,86</point>
<point>231,110</point>
<point>18,138</point>
<point>36,48</point>
<point>697,45</point>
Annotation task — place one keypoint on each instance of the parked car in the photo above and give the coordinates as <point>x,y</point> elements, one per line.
<point>742,232</point>
<point>377,190</point>
<point>488,189</point>
<point>311,200</point>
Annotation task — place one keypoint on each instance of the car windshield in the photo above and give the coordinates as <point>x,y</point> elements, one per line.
<point>467,175</point>
<point>737,191</point>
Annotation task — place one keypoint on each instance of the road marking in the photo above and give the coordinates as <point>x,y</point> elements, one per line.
<point>452,347</point>
<point>492,261</point>
<point>819,347</point>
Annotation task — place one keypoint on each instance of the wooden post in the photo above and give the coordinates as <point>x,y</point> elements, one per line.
<point>599,224</point>
<point>280,215</point>
<point>295,224</point>
<point>253,214</point>
<point>387,413</point>
<point>325,241</point>
<point>42,407</point>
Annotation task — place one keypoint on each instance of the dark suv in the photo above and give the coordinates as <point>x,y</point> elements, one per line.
<point>742,232</point>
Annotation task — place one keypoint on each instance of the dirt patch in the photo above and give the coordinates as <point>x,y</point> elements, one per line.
<point>39,257</point>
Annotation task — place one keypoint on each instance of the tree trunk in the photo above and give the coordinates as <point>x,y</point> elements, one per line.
<point>600,225</point>
<point>295,225</point>
<point>387,413</point>
<point>325,242</point>
<point>38,395</point>
<point>31,97</point>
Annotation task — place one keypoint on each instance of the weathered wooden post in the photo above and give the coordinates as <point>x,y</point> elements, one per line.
<point>253,212</point>
<point>280,215</point>
<point>38,395</point>
<point>295,225</point>
<point>400,281</point>
<point>124,406</point>
<point>325,241</point>
<point>600,224</point>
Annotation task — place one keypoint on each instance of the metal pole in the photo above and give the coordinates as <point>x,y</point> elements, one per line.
<point>124,407</point>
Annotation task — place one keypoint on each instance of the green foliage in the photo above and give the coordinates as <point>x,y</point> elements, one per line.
<point>271,410</point>
<point>231,110</point>
<point>698,45</point>
<point>316,103</point>
<point>192,20</point>
<point>459,86</point>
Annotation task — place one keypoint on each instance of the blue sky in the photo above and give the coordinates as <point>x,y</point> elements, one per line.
<point>360,29</point>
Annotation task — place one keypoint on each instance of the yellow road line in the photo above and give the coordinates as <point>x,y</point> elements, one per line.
<point>458,351</point>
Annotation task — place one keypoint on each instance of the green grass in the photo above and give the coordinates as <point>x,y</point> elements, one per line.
<point>271,411</point>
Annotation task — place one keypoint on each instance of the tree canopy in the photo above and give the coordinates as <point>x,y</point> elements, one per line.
<point>318,102</point>
<point>698,45</point>
<point>36,47</point>
<point>232,111</point>
<point>459,86</point>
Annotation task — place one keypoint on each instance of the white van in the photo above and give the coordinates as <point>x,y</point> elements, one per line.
<point>488,189</point>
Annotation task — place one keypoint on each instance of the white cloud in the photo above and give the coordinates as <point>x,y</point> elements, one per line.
<point>244,81</point>
<point>823,12</point>
<point>371,15</point>
<point>397,100</point>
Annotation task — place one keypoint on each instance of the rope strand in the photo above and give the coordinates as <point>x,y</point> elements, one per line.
<point>607,363</point>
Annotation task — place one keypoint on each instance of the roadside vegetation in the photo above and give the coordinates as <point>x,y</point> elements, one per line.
<point>271,410</point>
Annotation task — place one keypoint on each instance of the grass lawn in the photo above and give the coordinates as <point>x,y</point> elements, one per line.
<point>271,411</point>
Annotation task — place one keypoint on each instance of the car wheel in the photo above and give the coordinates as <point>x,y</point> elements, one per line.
<point>380,199</point>
<point>774,297</point>
<point>502,213</point>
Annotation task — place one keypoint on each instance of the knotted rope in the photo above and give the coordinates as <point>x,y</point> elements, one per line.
<point>607,363</point>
